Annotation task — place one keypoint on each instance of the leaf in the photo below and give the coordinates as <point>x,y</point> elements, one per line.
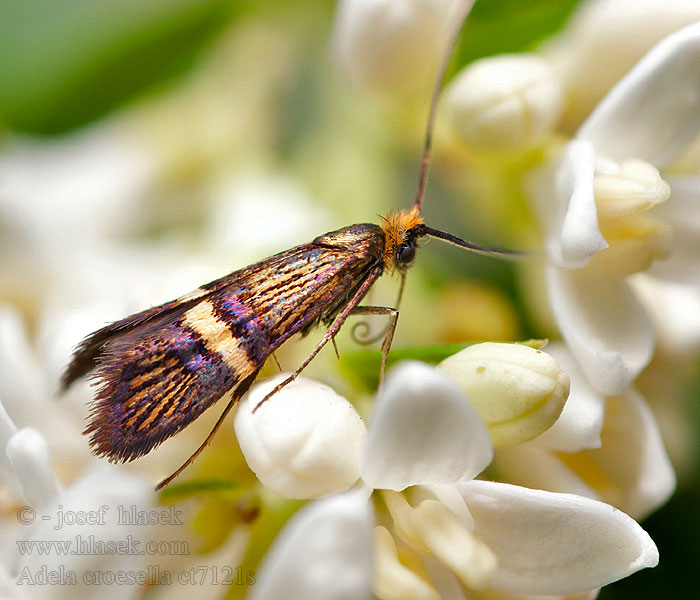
<point>500,26</point>
<point>362,367</point>
<point>176,492</point>
<point>66,63</point>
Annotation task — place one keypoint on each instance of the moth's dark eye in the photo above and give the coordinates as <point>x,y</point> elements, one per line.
<point>405,253</point>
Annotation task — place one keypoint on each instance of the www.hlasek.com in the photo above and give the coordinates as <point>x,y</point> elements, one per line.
<point>93,545</point>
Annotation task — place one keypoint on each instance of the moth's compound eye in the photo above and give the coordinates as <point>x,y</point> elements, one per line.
<point>405,253</point>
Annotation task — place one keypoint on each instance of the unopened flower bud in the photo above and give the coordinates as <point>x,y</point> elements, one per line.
<point>518,391</point>
<point>391,45</point>
<point>305,441</point>
<point>504,102</point>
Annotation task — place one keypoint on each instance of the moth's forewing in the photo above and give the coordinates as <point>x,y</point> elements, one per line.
<point>159,370</point>
<point>158,378</point>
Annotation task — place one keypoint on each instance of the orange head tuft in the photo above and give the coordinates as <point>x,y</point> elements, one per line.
<point>401,230</point>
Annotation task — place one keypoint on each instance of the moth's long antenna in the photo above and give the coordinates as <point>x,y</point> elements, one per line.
<point>452,239</point>
<point>437,87</point>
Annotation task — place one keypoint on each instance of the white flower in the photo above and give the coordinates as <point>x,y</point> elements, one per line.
<point>305,443</point>
<point>47,470</point>
<point>603,193</point>
<point>504,102</point>
<point>426,437</point>
<point>603,40</point>
<point>392,45</point>
<point>42,546</point>
<point>26,386</point>
<point>88,182</point>
<point>255,214</point>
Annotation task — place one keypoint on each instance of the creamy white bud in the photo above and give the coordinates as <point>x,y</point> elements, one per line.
<point>303,442</point>
<point>518,391</point>
<point>504,102</point>
<point>391,45</point>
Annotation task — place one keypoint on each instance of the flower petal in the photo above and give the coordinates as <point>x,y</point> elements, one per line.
<point>675,310</point>
<point>641,117</point>
<point>628,188</point>
<point>634,469</point>
<point>304,442</point>
<point>603,324</point>
<point>424,431</point>
<point>447,494</point>
<point>579,424</point>
<point>548,543</point>
<point>25,388</point>
<point>30,457</point>
<point>105,493</point>
<point>537,468</point>
<point>683,213</point>
<point>573,232</point>
<point>444,580</point>
<point>324,551</point>
<point>22,381</point>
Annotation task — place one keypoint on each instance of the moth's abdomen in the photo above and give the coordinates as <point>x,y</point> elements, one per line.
<point>156,381</point>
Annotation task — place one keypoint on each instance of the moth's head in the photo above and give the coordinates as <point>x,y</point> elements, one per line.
<point>401,232</point>
<point>404,228</point>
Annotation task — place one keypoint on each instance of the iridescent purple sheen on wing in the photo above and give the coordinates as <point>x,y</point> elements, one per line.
<point>151,387</point>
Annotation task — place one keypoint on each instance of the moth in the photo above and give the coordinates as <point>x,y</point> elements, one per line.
<point>160,369</point>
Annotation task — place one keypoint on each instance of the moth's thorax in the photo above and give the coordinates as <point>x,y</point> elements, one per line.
<point>365,238</point>
<point>401,230</point>
<point>352,237</point>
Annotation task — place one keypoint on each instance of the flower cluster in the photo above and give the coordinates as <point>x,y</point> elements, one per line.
<point>429,525</point>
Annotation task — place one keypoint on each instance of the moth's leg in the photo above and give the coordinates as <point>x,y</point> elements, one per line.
<point>204,444</point>
<point>359,336</point>
<point>393,315</point>
<point>331,332</point>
